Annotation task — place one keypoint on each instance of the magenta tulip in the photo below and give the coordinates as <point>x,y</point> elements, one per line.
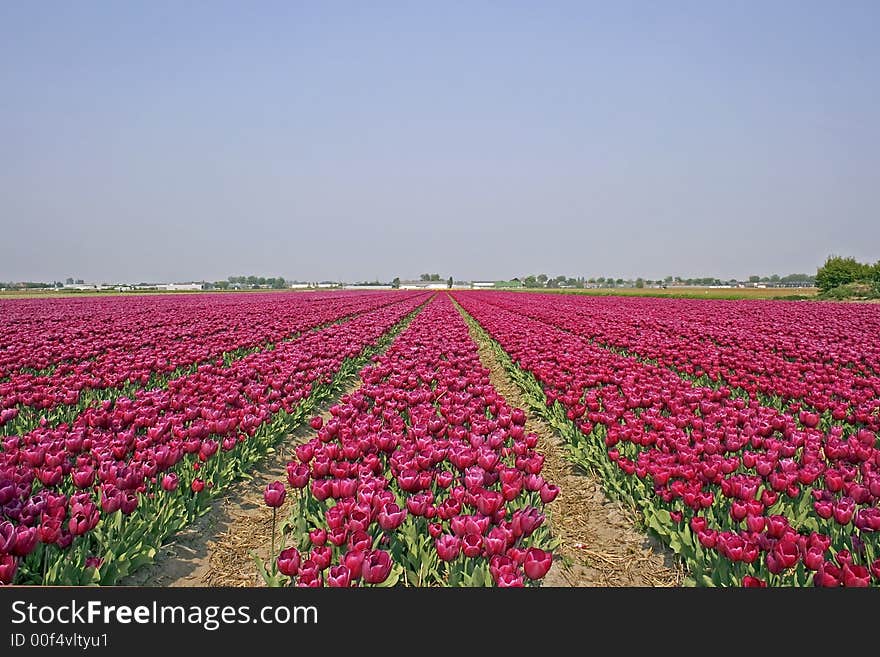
<point>297,475</point>
<point>536,563</point>
<point>289,562</point>
<point>448,546</point>
<point>339,577</point>
<point>8,568</point>
<point>170,481</point>
<point>376,567</point>
<point>274,494</point>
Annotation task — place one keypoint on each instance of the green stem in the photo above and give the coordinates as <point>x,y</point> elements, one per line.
<point>272,554</point>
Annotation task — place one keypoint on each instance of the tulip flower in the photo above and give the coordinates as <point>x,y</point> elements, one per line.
<point>321,556</point>
<point>288,562</point>
<point>354,561</point>
<point>26,539</point>
<point>94,562</point>
<point>170,481</point>
<point>8,568</point>
<point>274,494</point>
<point>297,475</point>
<point>376,567</point>
<point>536,563</point>
<point>7,536</point>
<point>856,576</point>
<point>339,576</point>
<point>391,517</point>
<point>318,536</point>
<point>548,493</point>
<point>448,546</point>
<point>753,582</point>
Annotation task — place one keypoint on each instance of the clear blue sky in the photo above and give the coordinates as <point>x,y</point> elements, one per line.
<point>180,140</point>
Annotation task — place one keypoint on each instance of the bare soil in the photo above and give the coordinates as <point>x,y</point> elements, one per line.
<point>217,549</point>
<point>600,541</point>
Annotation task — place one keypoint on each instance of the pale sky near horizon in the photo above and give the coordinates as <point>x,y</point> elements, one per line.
<point>171,141</point>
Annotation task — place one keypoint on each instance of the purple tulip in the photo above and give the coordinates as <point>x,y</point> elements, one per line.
<point>274,494</point>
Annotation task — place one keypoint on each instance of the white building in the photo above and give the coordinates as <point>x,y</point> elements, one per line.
<point>176,287</point>
<point>423,285</point>
<point>366,287</point>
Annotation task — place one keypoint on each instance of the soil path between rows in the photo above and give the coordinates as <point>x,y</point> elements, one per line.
<point>217,549</point>
<point>600,543</point>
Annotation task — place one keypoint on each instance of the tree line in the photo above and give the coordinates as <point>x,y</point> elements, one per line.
<point>839,272</point>
<point>276,283</point>
<point>544,281</point>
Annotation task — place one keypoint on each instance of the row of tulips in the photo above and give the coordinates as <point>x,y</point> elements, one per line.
<point>744,493</point>
<point>91,501</point>
<point>423,477</point>
<point>129,350</point>
<point>817,361</point>
<point>41,334</point>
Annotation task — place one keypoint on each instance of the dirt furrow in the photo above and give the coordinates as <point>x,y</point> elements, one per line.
<point>600,543</point>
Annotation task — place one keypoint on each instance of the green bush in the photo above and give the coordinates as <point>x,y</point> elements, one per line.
<point>859,290</point>
<point>839,271</point>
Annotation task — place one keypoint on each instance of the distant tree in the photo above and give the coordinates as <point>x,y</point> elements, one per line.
<point>574,282</point>
<point>530,281</point>
<point>838,270</point>
<point>395,284</point>
<point>591,280</point>
<point>542,279</point>
<point>619,281</point>
<point>69,281</point>
<point>667,280</point>
<point>425,277</point>
<point>754,279</point>
<point>279,283</point>
<point>221,285</point>
<point>435,277</point>
<point>774,278</point>
<point>796,278</point>
<point>640,282</point>
<point>875,272</point>
<point>449,282</point>
<point>600,280</point>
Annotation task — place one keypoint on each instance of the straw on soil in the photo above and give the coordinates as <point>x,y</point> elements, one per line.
<point>600,542</point>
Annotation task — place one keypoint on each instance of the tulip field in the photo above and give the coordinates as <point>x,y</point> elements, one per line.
<point>743,432</point>
<point>423,475</point>
<point>90,492</point>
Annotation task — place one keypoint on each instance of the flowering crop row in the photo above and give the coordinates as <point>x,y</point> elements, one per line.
<point>143,343</point>
<point>423,476</point>
<point>817,361</point>
<point>744,493</point>
<point>92,500</point>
